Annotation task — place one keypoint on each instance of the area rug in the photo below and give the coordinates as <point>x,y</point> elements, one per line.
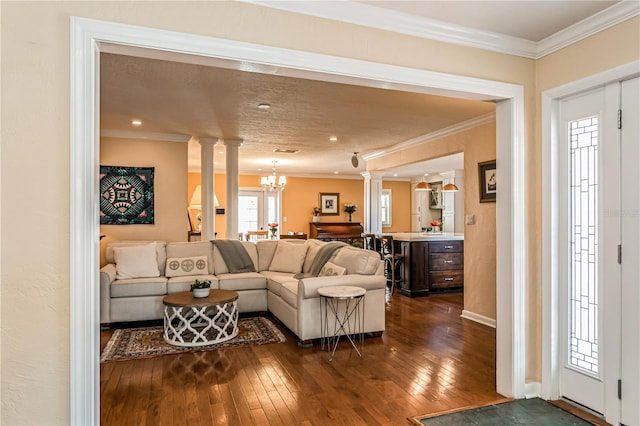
<point>533,411</point>
<point>146,342</point>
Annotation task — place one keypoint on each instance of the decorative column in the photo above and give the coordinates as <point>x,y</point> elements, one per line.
<point>232,186</point>
<point>372,200</point>
<point>207,175</point>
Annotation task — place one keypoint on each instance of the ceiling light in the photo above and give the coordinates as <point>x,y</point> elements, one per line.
<point>264,106</point>
<point>273,182</point>
<point>333,139</point>
<point>136,122</point>
<point>450,187</point>
<point>335,172</point>
<point>423,186</point>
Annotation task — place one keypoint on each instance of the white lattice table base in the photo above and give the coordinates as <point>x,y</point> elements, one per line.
<point>198,322</point>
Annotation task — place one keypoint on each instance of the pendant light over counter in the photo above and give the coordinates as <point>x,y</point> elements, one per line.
<point>450,187</point>
<point>423,186</point>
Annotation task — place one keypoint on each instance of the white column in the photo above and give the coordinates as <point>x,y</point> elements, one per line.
<point>372,197</point>
<point>207,175</point>
<point>232,186</point>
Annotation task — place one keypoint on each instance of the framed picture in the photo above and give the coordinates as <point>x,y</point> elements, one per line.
<point>329,204</point>
<point>487,180</point>
<point>435,196</point>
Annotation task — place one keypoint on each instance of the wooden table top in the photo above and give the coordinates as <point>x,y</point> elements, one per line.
<point>185,298</point>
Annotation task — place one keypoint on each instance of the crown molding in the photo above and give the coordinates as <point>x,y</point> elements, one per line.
<point>127,134</point>
<point>607,18</point>
<point>404,23</point>
<point>438,134</point>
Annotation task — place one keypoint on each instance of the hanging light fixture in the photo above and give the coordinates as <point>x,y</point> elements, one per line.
<point>450,187</point>
<point>422,185</point>
<point>273,182</point>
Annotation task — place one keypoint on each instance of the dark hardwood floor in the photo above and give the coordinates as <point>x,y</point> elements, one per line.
<point>428,360</point>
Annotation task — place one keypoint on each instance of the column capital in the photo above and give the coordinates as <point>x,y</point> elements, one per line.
<point>233,142</point>
<point>372,175</point>
<point>208,141</point>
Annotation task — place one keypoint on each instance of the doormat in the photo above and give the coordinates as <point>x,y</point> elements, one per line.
<point>533,411</point>
<point>146,342</point>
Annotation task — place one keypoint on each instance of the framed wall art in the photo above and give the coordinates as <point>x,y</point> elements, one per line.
<point>329,204</point>
<point>126,195</point>
<point>487,181</point>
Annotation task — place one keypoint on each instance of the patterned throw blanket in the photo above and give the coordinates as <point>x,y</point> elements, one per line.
<point>235,256</point>
<point>324,254</point>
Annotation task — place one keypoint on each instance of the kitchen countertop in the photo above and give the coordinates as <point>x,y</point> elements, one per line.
<point>425,236</point>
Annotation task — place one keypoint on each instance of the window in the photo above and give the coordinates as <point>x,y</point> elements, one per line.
<point>385,208</point>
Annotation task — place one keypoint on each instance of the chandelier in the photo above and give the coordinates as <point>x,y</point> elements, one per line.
<point>273,182</point>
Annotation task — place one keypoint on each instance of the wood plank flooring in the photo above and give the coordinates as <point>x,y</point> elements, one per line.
<point>428,360</point>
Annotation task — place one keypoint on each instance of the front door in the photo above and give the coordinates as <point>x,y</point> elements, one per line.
<point>598,316</point>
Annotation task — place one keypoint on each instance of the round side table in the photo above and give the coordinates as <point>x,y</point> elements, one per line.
<point>342,314</point>
<point>190,321</point>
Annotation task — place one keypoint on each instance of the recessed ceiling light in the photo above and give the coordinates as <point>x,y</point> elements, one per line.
<point>264,106</point>
<point>136,122</point>
<point>333,139</point>
<point>336,172</point>
<point>395,175</point>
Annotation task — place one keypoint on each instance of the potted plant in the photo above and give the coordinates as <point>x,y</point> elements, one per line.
<point>350,209</point>
<point>316,214</point>
<point>435,225</point>
<point>201,288</point>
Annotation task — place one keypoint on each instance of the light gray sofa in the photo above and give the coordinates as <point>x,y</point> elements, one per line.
<point>140,273</point>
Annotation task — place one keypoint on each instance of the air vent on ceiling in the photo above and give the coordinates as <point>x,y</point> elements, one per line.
<point>286,151</point>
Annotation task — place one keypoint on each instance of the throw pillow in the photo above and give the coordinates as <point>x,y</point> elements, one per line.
<point>136,261</point>
<point>288,257</point>
<point>182,266</point>
<point>331,269</point>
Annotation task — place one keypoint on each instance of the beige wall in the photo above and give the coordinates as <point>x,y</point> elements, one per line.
<point>35,126</point>
<point>170,188</point>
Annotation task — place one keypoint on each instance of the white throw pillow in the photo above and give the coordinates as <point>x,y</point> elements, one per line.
<point>136,261</point>
<point>182,266</point>
<point>331,269</point>
<point>288,257</point>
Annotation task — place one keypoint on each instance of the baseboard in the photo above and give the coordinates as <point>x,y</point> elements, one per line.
<point>532,390</point>
<point>478,318</point>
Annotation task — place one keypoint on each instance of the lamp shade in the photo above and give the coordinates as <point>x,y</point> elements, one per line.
<point>423,186</point>
<point>196,199</point>
<point>450,187</point>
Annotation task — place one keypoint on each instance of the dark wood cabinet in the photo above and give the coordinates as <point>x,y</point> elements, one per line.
<point>348,232</point>
<point>431,266</point>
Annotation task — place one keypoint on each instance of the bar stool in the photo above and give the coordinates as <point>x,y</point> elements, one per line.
<point>391,258</point>
<point>372,242</point>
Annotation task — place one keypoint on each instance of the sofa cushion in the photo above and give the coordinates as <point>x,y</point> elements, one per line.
<point>136,261</point>
<point>192,249</point>
<point>177,284</point>
<point>289,292</point>
<point>357,261</point>
<point>185,266</point>
<point>275,280</point>
<point>136,287</point>
<point>331,269</point>
<point>220,267</point>
<point>161,251</point>
<point>289,257</point>
<point>313,247</point>
<point>266,250</point>
<point>242,281</point>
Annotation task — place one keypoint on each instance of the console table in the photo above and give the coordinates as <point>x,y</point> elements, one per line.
<point>348,232</point>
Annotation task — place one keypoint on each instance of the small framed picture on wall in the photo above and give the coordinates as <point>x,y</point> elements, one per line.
<point>329,203</point>
<point>487,181</point>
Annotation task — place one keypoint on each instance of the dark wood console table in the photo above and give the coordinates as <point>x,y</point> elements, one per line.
<point>348,232</point>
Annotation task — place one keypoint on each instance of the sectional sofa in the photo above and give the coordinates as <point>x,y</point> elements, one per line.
<point>277,276</point>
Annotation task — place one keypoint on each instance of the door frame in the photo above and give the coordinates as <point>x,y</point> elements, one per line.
<point>551,268</point>
<point>91,37</point>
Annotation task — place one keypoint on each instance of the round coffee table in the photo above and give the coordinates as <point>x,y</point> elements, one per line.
<point>190,321</point>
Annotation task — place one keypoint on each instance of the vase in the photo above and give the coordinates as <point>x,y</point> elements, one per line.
<point>199,293</point>
<point>349,217</point>
<point>316,219</point>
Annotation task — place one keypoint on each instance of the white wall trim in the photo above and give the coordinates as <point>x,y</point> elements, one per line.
<point>130,134</point>
<point>478,318</point>
<point>550,217</point>
<point>438,134</point>
<point>89,36</point>
<point>532,390</point>
<point>404,23</point>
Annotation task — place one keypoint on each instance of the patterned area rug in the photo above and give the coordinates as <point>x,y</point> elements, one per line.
<point>147,342</point>
<point>533,411</point>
